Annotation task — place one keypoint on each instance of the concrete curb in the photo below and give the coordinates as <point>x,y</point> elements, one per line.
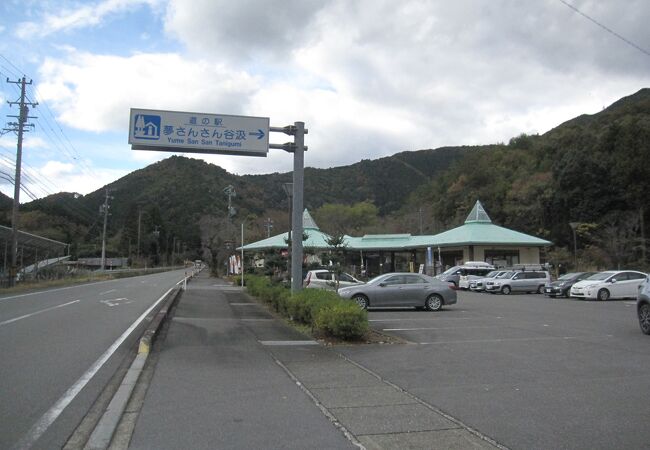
<point>101,437</point>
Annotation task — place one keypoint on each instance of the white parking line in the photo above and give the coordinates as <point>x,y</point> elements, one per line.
<point>435,328</point>
<point>547,338</point>
<point>16,319</point>
<point>290,343</point>
<point>429,319</point>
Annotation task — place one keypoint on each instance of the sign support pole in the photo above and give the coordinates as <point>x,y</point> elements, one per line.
<point>297,147</point>
<point>296,226</point>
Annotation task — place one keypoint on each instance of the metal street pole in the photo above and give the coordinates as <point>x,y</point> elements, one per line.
<point>298,183</point>
<point>574,226</point>
<point>242,255</point>
<point>288,189</point>
<point>105,210</point>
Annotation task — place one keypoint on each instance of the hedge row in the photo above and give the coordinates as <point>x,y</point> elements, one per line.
<point>323,310</point>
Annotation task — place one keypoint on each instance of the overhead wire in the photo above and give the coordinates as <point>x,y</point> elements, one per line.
<point>606,28</point>
<point>50,127</point>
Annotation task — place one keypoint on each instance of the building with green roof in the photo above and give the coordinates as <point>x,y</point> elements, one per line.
<point>478,239</point>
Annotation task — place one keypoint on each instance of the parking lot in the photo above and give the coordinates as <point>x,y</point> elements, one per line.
<point>526,370</point>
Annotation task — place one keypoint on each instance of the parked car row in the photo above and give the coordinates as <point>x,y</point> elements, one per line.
<point>609,284</point>
<point>425,292</point>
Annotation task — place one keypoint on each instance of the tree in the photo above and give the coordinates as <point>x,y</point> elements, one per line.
<point>216,232</point>
<point>337,218</point>
<point>337,255</point>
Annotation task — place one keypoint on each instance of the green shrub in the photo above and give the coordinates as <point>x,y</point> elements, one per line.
<point>344,320</point>
<point>323,310</point>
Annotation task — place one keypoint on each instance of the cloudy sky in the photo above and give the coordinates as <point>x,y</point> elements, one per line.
<point>369,78</point>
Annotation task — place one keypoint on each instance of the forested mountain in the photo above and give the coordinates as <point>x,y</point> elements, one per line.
<point>592,170</point>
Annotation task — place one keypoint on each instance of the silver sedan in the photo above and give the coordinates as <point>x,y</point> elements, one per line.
<point>401,289</point>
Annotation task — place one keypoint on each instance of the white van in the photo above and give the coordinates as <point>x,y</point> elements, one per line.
<point>460,276</point>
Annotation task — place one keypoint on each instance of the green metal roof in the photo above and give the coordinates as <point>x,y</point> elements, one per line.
<point>478,214</point>
<point>315,237</point>
<point>379,242</point>
<point>477,230</point>
<point>476,233</point>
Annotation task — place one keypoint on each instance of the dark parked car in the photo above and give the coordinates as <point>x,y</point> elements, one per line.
<point>401,289</point>
<point>643,306</point>
<point>562,286</point>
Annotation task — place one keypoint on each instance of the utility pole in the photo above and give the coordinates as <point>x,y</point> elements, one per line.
<point>139,222</point>
<point>104,209</point>
<point>230,192</point>
<point>19,128</point>
<point>268,224</point>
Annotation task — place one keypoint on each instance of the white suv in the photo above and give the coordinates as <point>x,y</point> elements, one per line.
<point>610,284</point>
<point>326,279</point>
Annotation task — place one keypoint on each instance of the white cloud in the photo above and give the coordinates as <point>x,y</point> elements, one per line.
<point>77,16</point>
<point>369,78</point>
<point>68,177</point>
<point>95,92</point>
<point>242,30</point>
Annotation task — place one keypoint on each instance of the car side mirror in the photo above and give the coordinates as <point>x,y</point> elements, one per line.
<point>382,284</point>
<point>613,280</point>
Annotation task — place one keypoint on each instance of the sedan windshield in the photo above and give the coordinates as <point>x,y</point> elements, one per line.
<point>601,276</point>
<point>568,276</point>
<point>450,271</point>
<point>376,279</point>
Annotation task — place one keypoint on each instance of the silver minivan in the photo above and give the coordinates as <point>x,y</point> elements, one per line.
<point>520,281</point>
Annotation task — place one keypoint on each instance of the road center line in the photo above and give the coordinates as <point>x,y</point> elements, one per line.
<point>37,430</point>
<point>37,312</point>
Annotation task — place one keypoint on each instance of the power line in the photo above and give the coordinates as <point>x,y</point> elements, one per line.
<point>609,30</point>
<point>59,139</point>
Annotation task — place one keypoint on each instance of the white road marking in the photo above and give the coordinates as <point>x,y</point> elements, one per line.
<point>547,338</point>
<point>37,430</point>
<point>37,312</point>
<point>54,290</point>
<point>435,328</point>
<point>116,301</point>
<point>279,343</point>
<point>429,319</point>
<point>107,292</point>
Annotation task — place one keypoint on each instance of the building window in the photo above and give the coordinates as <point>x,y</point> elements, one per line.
<point>502,258</point>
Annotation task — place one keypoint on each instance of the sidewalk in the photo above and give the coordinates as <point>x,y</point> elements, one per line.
<point>230,376</point>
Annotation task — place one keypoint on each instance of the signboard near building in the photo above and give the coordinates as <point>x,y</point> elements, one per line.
<point>190,132</point>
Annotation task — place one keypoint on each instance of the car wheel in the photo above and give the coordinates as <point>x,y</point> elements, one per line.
<point>506,290</point>
<point>603,295</point>
<point>361,300</point>
<point>540,290</point>
<point>644,318</point>
<point>433,303</point>
<point>566,293</point>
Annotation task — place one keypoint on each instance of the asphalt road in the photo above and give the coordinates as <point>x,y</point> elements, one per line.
<point>59,348</point>
<point>529,371</point>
